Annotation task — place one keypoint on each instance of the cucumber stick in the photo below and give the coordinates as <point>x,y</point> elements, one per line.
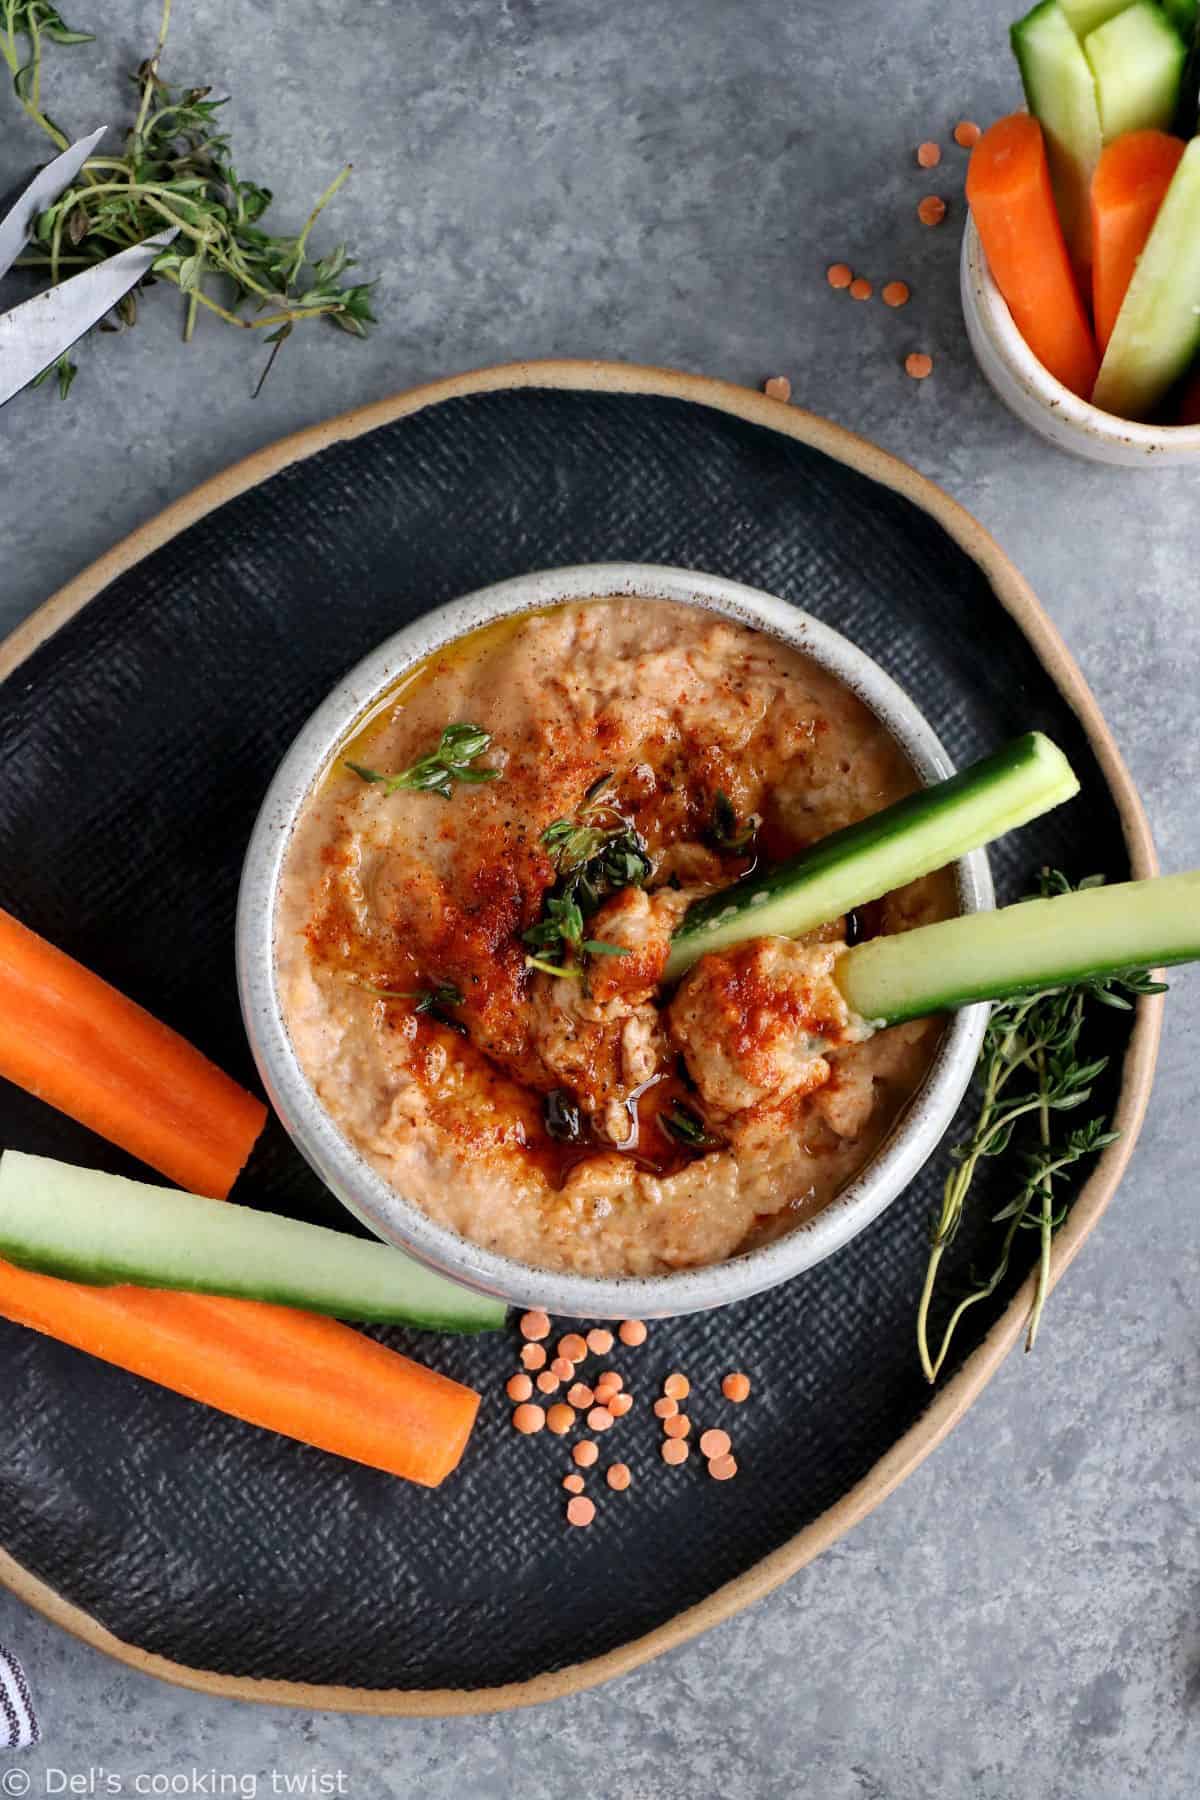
<point>1022,949</point>
<point>1061,94</point>
<point>1137,60</point>
<point>1183,15</point>
<point>105,1231</point>
<point>1157,332</point>
<point>868,860</point>
<point>1083,16</point>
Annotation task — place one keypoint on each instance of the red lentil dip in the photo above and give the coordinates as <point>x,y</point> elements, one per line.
<point>390,896</point>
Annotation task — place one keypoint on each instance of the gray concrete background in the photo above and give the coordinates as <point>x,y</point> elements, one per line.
<point>665,182</point>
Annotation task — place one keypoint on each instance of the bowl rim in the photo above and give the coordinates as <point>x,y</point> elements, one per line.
<point>991,310</point>
<point>400,1221</point>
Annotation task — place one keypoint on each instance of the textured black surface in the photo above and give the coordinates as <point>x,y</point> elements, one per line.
<point>139,741</point>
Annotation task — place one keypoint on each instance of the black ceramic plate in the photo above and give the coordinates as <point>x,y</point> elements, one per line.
<point>150,705</point>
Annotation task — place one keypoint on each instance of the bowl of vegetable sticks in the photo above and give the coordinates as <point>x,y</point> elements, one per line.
<point>1039,399</point>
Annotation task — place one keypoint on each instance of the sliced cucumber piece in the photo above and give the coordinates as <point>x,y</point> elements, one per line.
<point>1137,59</point>
<point>104,1230</point>
<point>868,860</point>
<point>1183,15</point>
<point>1157,332</point>
<point>1061,94</point>
<point>1022,949</point>
<point>1084,15</point>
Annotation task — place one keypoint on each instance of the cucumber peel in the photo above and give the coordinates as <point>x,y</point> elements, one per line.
<point>104,1230</point>
<point>1022,949</point>
<point>865,861</point>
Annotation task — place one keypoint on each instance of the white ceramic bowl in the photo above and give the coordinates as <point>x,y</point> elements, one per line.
<point>1043,403</point>
<point>397,1220</point>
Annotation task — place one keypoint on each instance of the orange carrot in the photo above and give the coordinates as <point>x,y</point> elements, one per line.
<point>305,1377</point>
<point>78,1044</point>
<point>1008,187</point>
<point>1132,176</point>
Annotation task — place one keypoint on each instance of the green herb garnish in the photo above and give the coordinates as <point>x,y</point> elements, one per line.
<point>437,772</point>
<point>563,1116</point>
<point>596,853</point>
<point>687,1127</point>
<point>725,833</point>
<point>1031,1071</point>
<point>431,1001</point>
<point>175,169</point>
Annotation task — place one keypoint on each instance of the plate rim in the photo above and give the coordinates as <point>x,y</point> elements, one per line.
<point>948,1404</point>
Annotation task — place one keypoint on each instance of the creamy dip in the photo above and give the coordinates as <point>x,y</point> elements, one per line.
<point>595,1123</point>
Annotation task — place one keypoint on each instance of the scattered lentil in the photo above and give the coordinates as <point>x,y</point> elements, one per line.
<point>714,1443</point>
<point>619,1405</point>
<point>608,1384</point>
<point>677,1387</point>
<point>778,388</point>
<point>560,1418</point>
<point>535,1325</point>
<point>723,1468</point>
<point>929,154</point>
<point>896,293</point>
<point>674,1451</point>
<point>678,1427</point>
<point>618,1476</point>
<point>573,1483</point>
<point>519,1387</point>
<point>736,1387</point>
<point>580,1395</point>
<point>666,1408</point>
<point>600,1419</point>
<point>932,210</point>
<point>632,1331</point>
<point>548,1382</point>
<point>585,1453</point>
<point>533,1356</point>
<point>580,1510</point>
<point>528,1419</point>
<point>599,1342</point>
<point>860,288</point>
<point>918,365</point>
<point>563,1369</point>
<point>839,275</point>
<point>967,134</point>
<point>572,1347</point>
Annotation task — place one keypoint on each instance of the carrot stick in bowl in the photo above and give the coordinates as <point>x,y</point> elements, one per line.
<point>75,1042</point>
<point>1008,188</point>
<point>1130,183</point>
<point>291,1372</point>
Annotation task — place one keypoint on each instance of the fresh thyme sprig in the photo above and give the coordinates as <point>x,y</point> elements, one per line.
<point>725,831</point>
<point>596,853</point>
<point>431,1001</point>
<point>437,772</point>
<point>176,170</point>
<point>686,1127</point>
<point>1030,1071</point>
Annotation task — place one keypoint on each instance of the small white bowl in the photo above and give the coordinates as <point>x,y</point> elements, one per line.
<point>910,1143</point>
<point>1043,403</point>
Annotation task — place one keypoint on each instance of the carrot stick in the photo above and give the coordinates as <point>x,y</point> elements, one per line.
<point>306,1377</point>
<point>78,1044</point>
<point>1008,187</point>
<point>1132,176</point>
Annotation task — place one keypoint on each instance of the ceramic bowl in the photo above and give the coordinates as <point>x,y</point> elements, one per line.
<point>1043,403</point>
<point>399,1221</point>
